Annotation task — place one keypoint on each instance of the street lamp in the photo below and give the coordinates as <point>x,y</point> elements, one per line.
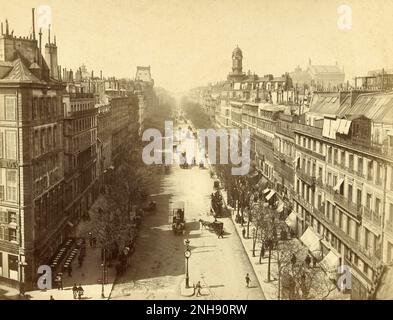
<point>254,238</point>
<point>22,265</point>
<point>103,275</point>
<point>187,255</point>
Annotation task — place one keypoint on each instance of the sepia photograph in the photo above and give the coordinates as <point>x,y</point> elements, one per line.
<point>210,152</point>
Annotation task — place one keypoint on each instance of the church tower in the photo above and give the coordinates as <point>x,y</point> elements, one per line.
<point>237,60</point>
<point>237,73</point>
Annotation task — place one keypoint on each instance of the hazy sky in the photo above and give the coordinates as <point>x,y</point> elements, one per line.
<point>189,43</point>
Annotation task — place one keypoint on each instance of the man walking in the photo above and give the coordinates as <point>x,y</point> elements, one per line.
<point>198,288</point>
<point>248,280</point>
<point>80,292</point>
<point>75,291</point>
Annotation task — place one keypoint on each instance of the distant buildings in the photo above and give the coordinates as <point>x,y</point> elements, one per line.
<point>318,77</point>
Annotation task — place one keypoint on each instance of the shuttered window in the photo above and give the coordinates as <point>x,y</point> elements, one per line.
<point>10,145</point>
<point>10,108</point>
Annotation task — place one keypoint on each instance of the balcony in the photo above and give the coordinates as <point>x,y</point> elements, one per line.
<point>306,178</point>
<point>348,205</point>
<point>285,132</point>
<point>311,152</point>
<point>371,217</point>
<point>303,202</point>
<point>317,132</point>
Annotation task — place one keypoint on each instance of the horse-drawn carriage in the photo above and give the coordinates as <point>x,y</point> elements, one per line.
<point>216,226</point>
<point>178,222</point>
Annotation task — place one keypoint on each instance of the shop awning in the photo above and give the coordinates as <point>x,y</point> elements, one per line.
<point>311,240</point>
<point>338,185</point>
<point>280,207</point>
<point>270,195</point>
<point>331,262</point>
<point>291,220</point>
<point>266,190</point>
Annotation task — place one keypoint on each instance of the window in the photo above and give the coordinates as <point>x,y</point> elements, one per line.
<point>377,205</point>
<point>12,234</point>
<point>13,266</point>
<point>368,201</point>
<point>1,145</point>
<point>10,145</point>
<point>342,158</point>
<point>10,108</point>
<point>12,217</point>
<point>360,165</point>
<point>11,185</point>
<point>350,164</point>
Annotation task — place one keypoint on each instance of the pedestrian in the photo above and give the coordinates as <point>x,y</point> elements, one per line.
<point>248,280</point>
<point>244,233</point>
<point>308,260</point>
<point>69,270</point>
<point>91,239</point>
<point>198,288</point>
<point>60,281</point>
<point>80,260</point>
<point>94,242</point>
<point>293,259</point>
<point>221,234</point>
<point>80,292</point>
<point>75,291</point>
<point>314,262</point>
<point>51,298</point>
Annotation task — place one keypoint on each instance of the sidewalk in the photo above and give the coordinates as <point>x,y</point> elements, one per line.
<point>89,275</point>
<point>270,289</point>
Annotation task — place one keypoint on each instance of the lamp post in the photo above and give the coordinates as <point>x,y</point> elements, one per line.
<point>103,275</point>
<point>187,255</point>
<point>22,265</point>
<point>254,238</point>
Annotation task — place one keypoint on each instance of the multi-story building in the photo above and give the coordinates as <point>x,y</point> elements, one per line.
<point>80,154</point>
<point>379,80</point>
<point>342,182</point>
<point>32,219</point>
<point>120,118</point>
<point>318,77</point>
<point>104,135</point>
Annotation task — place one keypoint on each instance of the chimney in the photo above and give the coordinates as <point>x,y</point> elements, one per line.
<point>49,35</point>
<point>40,47</point>
<point>6,27</point>
<point>101,74</point>
<point>33,21</point>
<point>92,74</point>
<point>2,31</point>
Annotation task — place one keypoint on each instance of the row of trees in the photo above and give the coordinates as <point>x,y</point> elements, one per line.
<point>287,263</point>
<point>127,187</point>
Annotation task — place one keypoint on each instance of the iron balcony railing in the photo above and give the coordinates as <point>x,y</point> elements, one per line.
<point>347,204</point>
<point>371,216</point>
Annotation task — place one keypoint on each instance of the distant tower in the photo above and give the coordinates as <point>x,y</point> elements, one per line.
<point>237,66</point>
<point>237,60</point>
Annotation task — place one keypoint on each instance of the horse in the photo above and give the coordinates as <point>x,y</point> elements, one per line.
<point>205,224</point>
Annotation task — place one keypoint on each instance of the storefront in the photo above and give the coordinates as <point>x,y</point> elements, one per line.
<point>313,241</point>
